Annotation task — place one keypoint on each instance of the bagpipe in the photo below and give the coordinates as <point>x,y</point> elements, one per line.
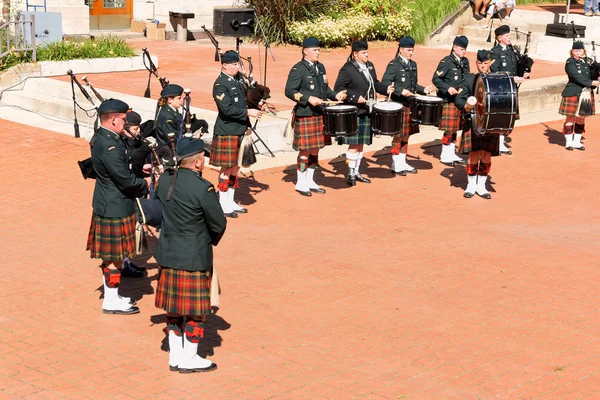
<point>524,62</point>
<point>152,71</point>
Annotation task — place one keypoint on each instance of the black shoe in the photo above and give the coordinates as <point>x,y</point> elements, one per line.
<point>304,193</point>
<point>211,367</point>
<point>449,164</point>
<point>569,148</point>
<point>460,162</point>
<point>582,148</point>
<point>486,196</point>
<point>351,180</point>
<point>401,173</point>
<point>508,152</point>
<point>411,171</point>
<point>241,210</point>
<point>231,215</point>
<point>468,195</point>
<point>135,266</point>
<point>130,272</point>
<point>131,310</point>
<point>318,190</point>
<point>362,179</point>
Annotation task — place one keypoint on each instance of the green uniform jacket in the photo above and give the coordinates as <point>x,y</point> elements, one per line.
<point>169,121</point>
<point>403,76</point>
<point>450,72</point>
<point>579,77</point>
<point>304,81</point>
<point>504,59</point>
<point>230,96</point>
<point>465,91</point>
<point>116,184</point>
<point>193,222</point>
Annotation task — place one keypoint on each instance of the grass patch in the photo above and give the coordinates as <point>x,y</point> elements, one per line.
<point>76,49</point>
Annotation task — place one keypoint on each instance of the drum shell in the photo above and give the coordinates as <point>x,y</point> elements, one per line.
<point>426,112</point>
<point>497,104</point>
<point>340,121</point>
<point>387,122</point>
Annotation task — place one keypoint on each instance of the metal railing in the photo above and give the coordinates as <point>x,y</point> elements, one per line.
<point>18,35</point>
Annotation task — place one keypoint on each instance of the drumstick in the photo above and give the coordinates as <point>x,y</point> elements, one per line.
<point>330,102</point>
<point>390,94</point>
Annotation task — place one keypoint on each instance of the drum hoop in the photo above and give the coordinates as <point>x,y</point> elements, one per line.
<point>379,106</point>
<point>341,107</point>
<point>428,99</point>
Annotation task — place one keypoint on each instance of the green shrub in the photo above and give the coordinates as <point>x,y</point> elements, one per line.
<point>340,32</point>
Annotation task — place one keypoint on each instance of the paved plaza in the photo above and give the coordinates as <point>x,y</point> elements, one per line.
<point>399,289</point>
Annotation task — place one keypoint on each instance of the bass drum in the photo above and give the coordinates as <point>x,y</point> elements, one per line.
<point>497,106</point>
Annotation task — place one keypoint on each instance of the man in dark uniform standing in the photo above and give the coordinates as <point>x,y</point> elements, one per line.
<point>448,78</point>
<point>402,73</point>
<point>480,148</point>
<point>112,230</point>
<point>231,125</point>
<point>193,222</point>
<point>505,58</point>
<point>307,85</point>
<point>359,79</point>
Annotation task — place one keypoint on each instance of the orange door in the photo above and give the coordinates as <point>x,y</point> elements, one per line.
<point>110,14</point>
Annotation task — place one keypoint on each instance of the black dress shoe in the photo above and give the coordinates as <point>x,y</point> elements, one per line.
<point>401,173</point>
<point>135,266</point>
<point>411,171</point>
<point>448,163</point>
<point>351,180</point>
<point>231,215</point>
<point>569,148</point>
<point>468,195</point>
<point>460,162</point>
<point>486,196</point>
<point>211,367</point>
<point>508,152</point>
<point>318,190</point>
<point>130,272</point>
<point>582,148</point>
<point>241,210</point>
<point>304,193</point>
<point>362,179</point>
<point>131,310</point>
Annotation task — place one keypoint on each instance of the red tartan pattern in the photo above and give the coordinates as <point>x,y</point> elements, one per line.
<point>308,133</point>
<point>225,150</point>
<point>183,292</point>
<point>223,185</point>
<point>450,121</point>
<point>194,330</point>
<point>400,141</point>
<point>472,142</point>
<point>568,105</point>
<point>484,168</point>
<point>112,277</point>
<point>111,239</point>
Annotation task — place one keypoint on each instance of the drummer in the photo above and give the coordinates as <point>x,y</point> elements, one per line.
<point>359,79</point>
<point>448,77</point>
<point>401,72</point>
<point>307,85</point>
<point>480,148</point>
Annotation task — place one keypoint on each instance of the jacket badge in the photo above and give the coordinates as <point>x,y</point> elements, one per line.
<point>439,73</point>
<point>298,96</point>
<point>112,148</point>
<point>235,99</point>
<point>220,97</point>
<point>312,87</point>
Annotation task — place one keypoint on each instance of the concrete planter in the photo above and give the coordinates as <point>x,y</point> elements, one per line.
<point>94,65</point>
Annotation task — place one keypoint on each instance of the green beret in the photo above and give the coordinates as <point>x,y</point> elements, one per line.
<point>461,41</point>
<point>502,30</point>
<point>360,45</point>
<point>133,118</point>
<point>484,55</point>
<point>311,42</point>
<point>407,41</point>
<point>188,147</point>
<point>578,45</point>
<point>109,106</point>
<point>171,91</point>
<point>230,57</point>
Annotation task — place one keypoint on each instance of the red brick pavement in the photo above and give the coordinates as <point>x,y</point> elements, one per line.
<point>192,65</point>
<point>397,289</point>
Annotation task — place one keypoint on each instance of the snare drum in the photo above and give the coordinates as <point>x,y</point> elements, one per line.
<point>387,118</point>
<point>427,110</point>
<point>496,109</point>
<point>340,120</point>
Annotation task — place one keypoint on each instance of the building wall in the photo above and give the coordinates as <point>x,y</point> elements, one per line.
<point>159,9</point>
<point>75,14</point>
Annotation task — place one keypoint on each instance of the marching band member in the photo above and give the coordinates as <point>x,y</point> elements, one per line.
<point>307,85</point>
<point>480,148</point>
<point>359,79</point>
<point>402,73</point>
<point>231,125</point>
<point>580,77</point>
<point>112,231</point>
<point>193,222</point>
<point>448,78</point>
<point>506,58</point>
<point>169,118</point>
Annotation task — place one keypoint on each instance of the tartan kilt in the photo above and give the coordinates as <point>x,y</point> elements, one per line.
<point>407,128</point>
<point>183,292</point>
<point>308,133</point>
<point>568,105</point>
<point>451,117</point>
<point>364,135</point>
<point>111,239</point>
<point>472,142</point>
<point>225,150</point>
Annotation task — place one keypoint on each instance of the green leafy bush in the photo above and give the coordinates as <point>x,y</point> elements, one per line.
<point>341,31</point>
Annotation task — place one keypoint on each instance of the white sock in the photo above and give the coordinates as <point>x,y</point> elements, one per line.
<point>352,158</point>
